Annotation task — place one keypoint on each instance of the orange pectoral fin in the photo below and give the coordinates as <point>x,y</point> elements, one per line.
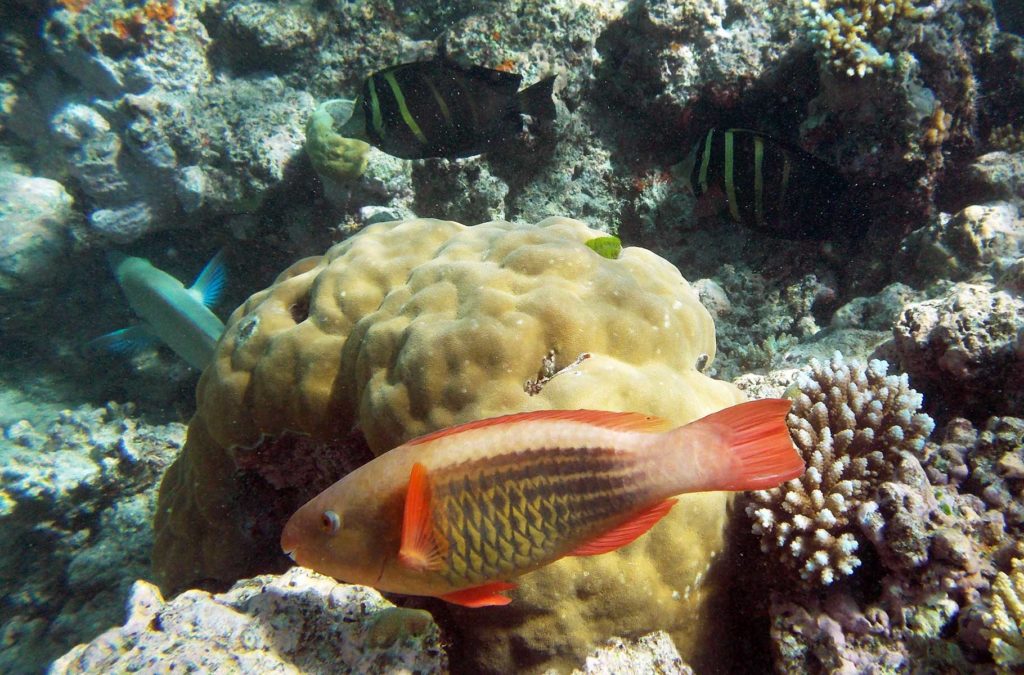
<point>627,532</point>
<point>420,549</point>
<point>487,595</point>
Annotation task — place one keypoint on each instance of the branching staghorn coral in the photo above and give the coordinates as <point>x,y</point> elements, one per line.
<point>850,424</point>
<point>1005,630</point>
<point>853,35</point>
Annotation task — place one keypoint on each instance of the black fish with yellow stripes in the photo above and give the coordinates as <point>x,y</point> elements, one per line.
<point>439,108</point>
<point>763,183</point>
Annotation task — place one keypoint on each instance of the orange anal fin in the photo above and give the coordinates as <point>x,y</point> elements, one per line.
<point>487,595</point>
<point>420,549</point>
<point>627,532</point>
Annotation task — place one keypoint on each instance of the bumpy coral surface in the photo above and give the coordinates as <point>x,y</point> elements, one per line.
<point>412,326</point>
<point>299,622</point>
<point>957,345</point>
<point>850,424</point>
<point>1006,622</point>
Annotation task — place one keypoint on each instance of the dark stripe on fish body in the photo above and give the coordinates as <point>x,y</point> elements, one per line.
<point>526,504</point>
<point>767,185</point>
<point>422,111</point>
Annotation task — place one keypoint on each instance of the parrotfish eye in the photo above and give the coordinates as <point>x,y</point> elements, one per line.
<point>330,522</point>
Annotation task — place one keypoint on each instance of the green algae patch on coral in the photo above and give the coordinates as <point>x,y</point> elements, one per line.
<point>607,247</point>
<point>333,156</point>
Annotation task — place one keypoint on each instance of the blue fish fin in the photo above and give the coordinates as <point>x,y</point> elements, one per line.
<point>210,283</point>
<point>126,341</point>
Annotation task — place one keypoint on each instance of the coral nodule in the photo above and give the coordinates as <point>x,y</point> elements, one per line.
<point>1005,624</point>
<point>850,424</point>
<point>412,326</point>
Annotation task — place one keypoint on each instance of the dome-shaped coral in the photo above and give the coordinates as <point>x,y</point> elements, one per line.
<point>408,327</point>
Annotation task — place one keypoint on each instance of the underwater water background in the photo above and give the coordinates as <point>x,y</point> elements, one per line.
<point>249,247</point>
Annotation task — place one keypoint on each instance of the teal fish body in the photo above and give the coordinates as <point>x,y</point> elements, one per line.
<point>438,108</point>
<point>178,316</point>
<point>763,183</point>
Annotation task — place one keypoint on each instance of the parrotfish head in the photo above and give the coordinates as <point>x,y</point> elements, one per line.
<point>339,538</point>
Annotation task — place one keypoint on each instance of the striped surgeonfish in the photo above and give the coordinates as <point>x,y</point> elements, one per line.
<point>458,513</point>
<point>762,183</point>
<point>438,108</point>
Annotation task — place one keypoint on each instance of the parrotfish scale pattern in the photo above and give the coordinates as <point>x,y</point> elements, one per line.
<point>499,516</point>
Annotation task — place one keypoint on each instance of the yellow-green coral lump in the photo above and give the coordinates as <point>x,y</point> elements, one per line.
<point>334,156</point>
<point>1006,622</point>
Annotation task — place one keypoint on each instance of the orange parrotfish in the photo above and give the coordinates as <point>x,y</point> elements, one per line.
<point>459,512</point>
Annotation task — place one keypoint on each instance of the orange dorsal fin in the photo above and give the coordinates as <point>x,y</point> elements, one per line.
<point>487,595</point>
<point>757,438</point>
<point>420,548</point>
<point>621,421</point>
<point>627,532</point>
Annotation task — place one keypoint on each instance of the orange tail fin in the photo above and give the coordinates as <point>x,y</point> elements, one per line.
<point>754,451</point>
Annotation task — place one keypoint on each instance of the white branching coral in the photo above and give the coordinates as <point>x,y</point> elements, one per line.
<point>1005,624</point>
<point>850,424</point>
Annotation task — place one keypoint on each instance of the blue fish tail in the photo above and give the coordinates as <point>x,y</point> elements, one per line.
<point>211,281</point>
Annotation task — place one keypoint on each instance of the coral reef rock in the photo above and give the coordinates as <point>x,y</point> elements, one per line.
<point>36,230</point>
<point>980,241</point>
<point>79,495</point>
<point>299,622</point>
<point>930,522</point>
<point>957,345</point>
<point>653,653</point>
<point>412,326</point>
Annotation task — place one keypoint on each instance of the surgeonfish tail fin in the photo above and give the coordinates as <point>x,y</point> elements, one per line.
<point>754,450</point>
<point>209,285</point>
<point>535,100</point>
<point>125,342</point>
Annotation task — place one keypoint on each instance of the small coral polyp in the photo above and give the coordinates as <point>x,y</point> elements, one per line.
<point>850,423</point>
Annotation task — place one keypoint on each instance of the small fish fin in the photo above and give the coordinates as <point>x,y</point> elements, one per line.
<point>535,100</point>
<point>621,421</point>
<point>115,258</point>
<point>126,341</point>
<point>209,285</point>
<point>420,549</point>
<point>710,203</point>
<point>487,595</point>
<point>758,440</point>
<point>627,532</point>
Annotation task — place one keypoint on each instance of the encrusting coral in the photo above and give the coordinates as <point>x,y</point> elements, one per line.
<point>412,326</point>
<point>1005,629</point>
<point>850,424</point>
